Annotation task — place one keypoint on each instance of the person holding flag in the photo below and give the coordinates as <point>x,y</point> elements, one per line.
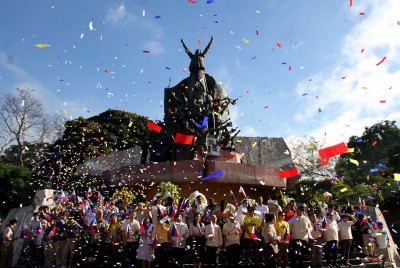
<point>179,234</point>
<point>300,227</point>
<point>146,251</point>
<point>34,227</point>
<point>158,209</point>
<point>331,237</point>
<point>252,229</point>
<point>197,234</point>
<point>98,228</point>
<point>112,239</point>
<point>316,239</point>
<point>214,241</point>
<point>130,236</point>
<point>161,235</point>
<point>271,239</point>
<point>232,232</point>
<point>283,230</point>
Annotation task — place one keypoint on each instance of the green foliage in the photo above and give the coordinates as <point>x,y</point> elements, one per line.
<point>84,139</point>
<point>125,194</point>
<point>14,188</point>
<point>167,187</point>
<point>378,148</point>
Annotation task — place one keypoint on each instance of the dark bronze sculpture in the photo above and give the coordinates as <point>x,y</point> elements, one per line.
<point>196,106</point>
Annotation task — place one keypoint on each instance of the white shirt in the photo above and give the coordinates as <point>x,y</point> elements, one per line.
<point>300,226</point>
<point>332,232</point>
<point>154,212</point>
<point>261,210</point>
<point>180,240</point>
<point>381,238</point>
<point>345,230</point>
<point>134,228</point>
<point>234,229</point>
<point>214,235</point>
<point>240,214</point>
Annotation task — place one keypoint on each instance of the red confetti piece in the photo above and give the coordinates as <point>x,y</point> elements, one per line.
<point>351,3</point>
<point>362,13</point>
<point>247,91</point>
<point>332,151</point>
<point>288,173</point>
<point>192,1</point>
<point>382,60</point>
<point>198,40</point>
<point>343,77</point>
<point>382,101</point>
<point>374,143</point>
<point>278,45</point>
<point>362,50</point>
<point>290,68</point>
<point>257,32</point>
<point>107,71</point>
<point>146,51</point>
<point>323,162</point>
<point>266,107</point>
<point>153,126</point>
<point>183,138</point>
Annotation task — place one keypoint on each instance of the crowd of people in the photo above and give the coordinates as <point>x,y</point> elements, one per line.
<point>164,233</point>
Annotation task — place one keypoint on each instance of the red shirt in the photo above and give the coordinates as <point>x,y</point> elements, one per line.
<point>289,214</point>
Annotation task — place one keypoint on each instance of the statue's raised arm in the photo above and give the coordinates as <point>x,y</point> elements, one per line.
<point>207,47</point>
<point>187,50</point>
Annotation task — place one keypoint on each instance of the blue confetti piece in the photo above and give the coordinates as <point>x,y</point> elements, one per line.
<point>398,22</point>
<point>359,140</point>
<point>284,63</point>
<point>217,21</point>
<point>319,110</point>
<point>157,17</point>
<point>167,68</point>
<point>210,1</point>
<point>382,166</point>
<point>253,58</point>
<point>203,124</point>
<point>217,174</point>
<point>372,170</point>
<point>335,175</point>
<point>370,197</point>
<point>305,94</point>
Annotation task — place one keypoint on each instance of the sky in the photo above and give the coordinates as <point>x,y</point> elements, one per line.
<point>299,68</point>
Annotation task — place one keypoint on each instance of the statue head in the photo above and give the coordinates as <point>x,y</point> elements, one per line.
<point>198,52</point>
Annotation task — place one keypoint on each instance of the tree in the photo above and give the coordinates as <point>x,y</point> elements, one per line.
<point>306,158</point>
<point>84,139</point>
<point>23,121</point>
<point>14,188</point>
<point>374,161</point>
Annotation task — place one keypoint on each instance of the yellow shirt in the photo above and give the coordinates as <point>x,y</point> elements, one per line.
<point>161,231</point>
<point>281,227</point>
<point>250,222</point>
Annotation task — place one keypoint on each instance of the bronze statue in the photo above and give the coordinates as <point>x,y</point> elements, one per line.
<point>197,59</point>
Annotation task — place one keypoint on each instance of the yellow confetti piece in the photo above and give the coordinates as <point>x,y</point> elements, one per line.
<point>363,88</point>
<point>130,124</point>
<point>42,45</point>
<point>254,144</point>
<point>396,176</point>
<point>378,234</point>
<point>246,41</point>
<point>343,190</point>
<point>355,162</point>
<point>350,150</point>
<point>239,141</point>
<point>310,147</point>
